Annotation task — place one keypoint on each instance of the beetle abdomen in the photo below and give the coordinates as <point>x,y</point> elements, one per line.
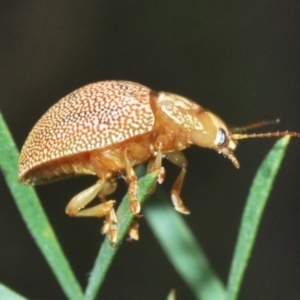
<point>95,116</point>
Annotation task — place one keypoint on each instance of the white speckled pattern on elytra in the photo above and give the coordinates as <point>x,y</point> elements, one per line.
<point>94,116</point>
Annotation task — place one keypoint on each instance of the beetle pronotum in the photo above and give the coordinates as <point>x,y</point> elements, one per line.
<point>108,128</point>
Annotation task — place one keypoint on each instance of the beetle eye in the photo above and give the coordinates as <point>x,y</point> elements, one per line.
<point>221,137</point>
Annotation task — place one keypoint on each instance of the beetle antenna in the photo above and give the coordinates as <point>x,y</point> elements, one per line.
<point>255,125</point>
<point>240,136</point>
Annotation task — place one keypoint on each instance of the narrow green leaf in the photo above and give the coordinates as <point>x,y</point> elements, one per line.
<point>34,216</point>
<point>182,249</point>
<point>172,295</point>
<point>8,294</point>
<point>107,252</point>
<point>255,205</point>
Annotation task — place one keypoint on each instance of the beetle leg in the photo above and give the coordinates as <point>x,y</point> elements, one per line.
<point>149,170</point>
<point>179,160</point>
<point>135,206</point>
<point>75,208</point>
<point>156,164</point>
<point>78,202</point>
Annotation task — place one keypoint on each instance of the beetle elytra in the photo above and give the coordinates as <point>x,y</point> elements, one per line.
<point>108,128</point>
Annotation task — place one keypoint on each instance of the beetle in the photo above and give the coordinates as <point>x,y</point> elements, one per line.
<point>109,127</point>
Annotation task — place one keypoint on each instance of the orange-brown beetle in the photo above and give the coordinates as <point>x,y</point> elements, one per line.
<point>109,127</point>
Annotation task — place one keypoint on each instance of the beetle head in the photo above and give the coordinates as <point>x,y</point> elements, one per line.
<point>214,134</point>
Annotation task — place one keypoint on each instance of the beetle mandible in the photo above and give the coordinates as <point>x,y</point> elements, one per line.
<point>107,128</point>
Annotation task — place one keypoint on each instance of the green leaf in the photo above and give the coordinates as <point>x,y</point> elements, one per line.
<point>34,216</point>
<point>107,252</point>
<point>257,199</point>
<point>172,295</point>
<point>8,294</point>
<point>182,249</point>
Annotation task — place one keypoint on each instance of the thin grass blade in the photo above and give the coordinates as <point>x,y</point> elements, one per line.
<point>34,216</point>
<point>256,202</point>
<point>107,252</point>
<point>182,249</point>
<point>172,295</point>
<point>8,294</point>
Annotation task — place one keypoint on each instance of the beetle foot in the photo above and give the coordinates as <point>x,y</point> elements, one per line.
<point>178,204</point>
<point>135,207</point>
<point>133,230</point>
<point>110,227</point>
<point>161,175</point>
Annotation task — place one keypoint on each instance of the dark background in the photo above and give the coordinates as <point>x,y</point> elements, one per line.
<point>240,59</point>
